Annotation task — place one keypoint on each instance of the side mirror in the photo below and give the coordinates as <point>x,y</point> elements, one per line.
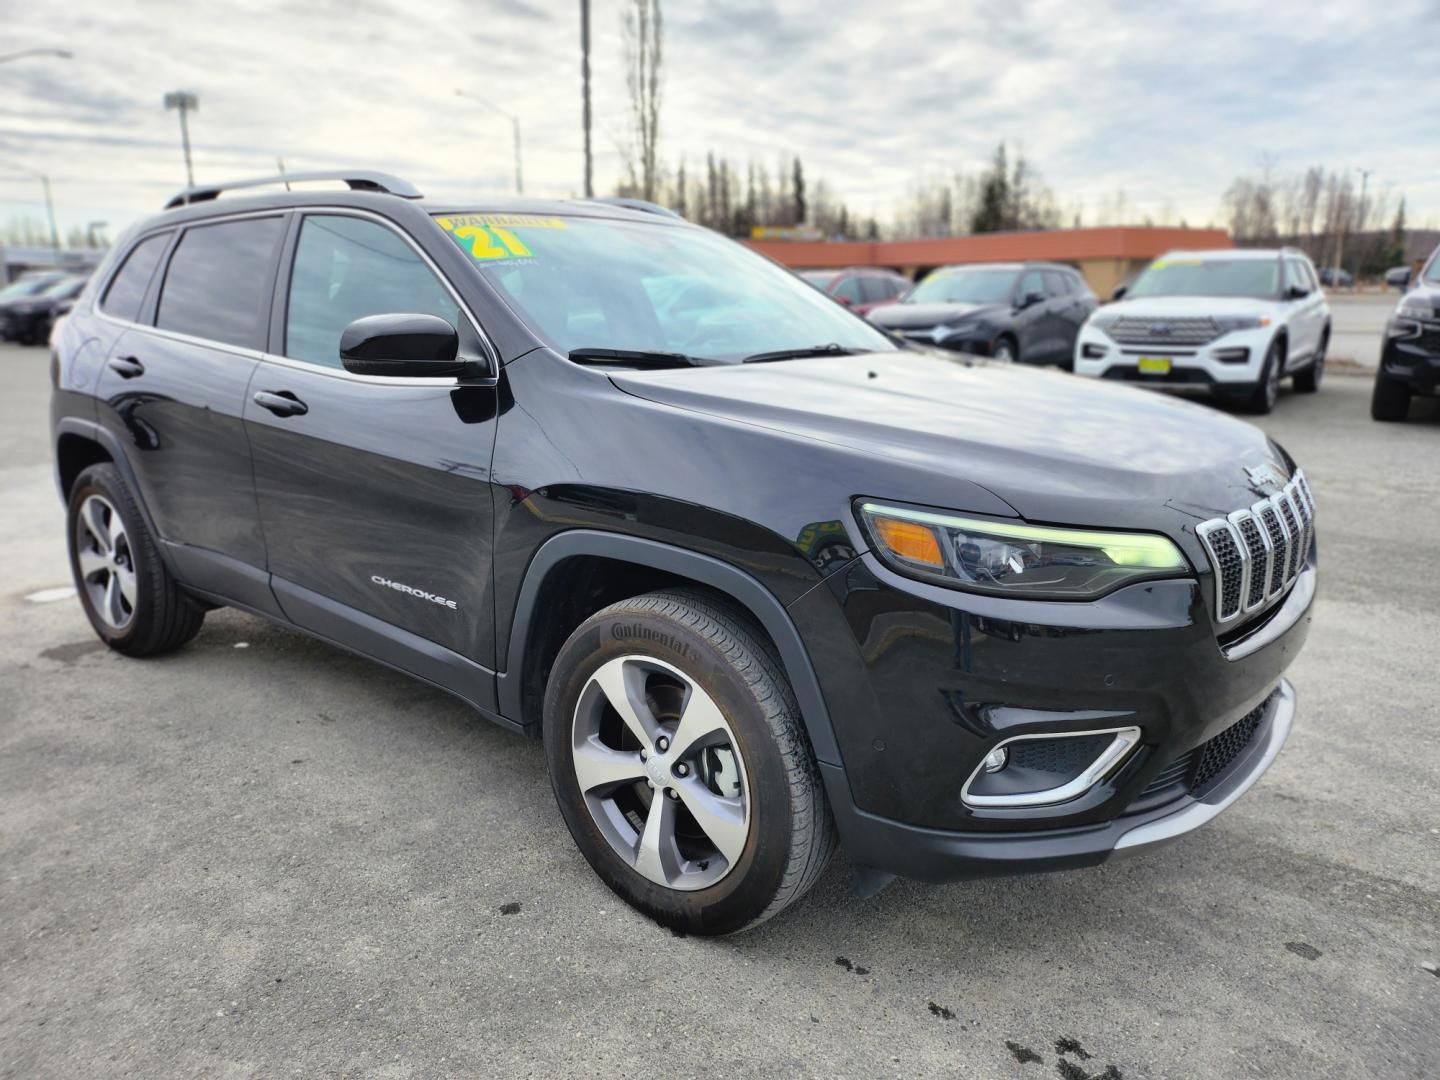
<point>402,346</point>
<point>1296,292</point>
<point>64,307</point>
<point>1030,299</point>
<point>1119,292</point>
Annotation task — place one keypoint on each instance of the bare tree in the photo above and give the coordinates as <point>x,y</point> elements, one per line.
<point>644,51</point>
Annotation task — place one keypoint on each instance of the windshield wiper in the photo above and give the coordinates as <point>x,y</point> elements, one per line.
<point>831,349</point>
<point>634,357</point>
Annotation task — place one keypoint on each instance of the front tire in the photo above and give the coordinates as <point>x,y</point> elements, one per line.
<point>1263,395</point>
<point>680,765</point>
<point>1308,381</point>
<point>131,600</point>
<point>1390,400</point>
<point>1005,350</point>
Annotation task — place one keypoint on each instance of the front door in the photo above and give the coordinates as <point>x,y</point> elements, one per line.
<point>374,493</point>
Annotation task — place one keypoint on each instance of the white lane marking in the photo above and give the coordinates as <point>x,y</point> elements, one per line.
<point>49,596</point>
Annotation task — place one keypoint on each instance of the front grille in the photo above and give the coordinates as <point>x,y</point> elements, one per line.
<point>1197,769</point>
<point>1256,553</point>
<point>1178,331</point>
<point>1428,339</point>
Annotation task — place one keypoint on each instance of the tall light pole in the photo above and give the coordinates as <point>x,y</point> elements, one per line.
<point>186,103</point>
<point>585,94</point>
<point>514,127</point>
<point>49,203</point>
<point>1360,224</point>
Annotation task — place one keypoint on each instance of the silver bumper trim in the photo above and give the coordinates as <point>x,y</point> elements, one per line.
<point>1245,770</point>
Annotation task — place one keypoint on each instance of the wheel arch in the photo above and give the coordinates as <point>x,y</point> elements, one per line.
<point>649,564</point>
<point>81,443</point>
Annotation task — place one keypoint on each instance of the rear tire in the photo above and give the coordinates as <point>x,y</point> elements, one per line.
<point>1390,400</point>
<point>744,830</point>
<point>133,603</point>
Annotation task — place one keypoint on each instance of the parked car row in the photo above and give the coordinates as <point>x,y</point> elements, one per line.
<point>30,305</point>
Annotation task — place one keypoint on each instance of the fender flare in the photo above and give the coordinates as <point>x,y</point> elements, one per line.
<point>106,440</point>
<point>741,587</point>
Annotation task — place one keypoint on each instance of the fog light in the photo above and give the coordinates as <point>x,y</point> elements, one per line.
<point>995,760</point>
<point>1093,352</point>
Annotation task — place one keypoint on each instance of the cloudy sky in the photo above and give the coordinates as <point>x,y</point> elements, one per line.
<point>1167,102</point>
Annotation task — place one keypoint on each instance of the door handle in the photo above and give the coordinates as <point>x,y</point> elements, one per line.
<point>127,367</point>
<point>281,403</point>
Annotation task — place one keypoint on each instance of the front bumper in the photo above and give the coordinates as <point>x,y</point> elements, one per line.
<point>1414,362</point>
<point>1217,363</point>
<point>940,855</point>
<point>932,679</point>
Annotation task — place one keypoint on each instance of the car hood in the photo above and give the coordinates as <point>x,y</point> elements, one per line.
<point>904,316</point>
<point>1426,294</point>
<point>1053,446</point>
<point>1149,307</point>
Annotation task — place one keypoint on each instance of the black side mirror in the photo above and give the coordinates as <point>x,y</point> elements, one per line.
<point>1030,299</point>
<point>1119,292</point>
<point>1296,292</point>
<point>402,346</point>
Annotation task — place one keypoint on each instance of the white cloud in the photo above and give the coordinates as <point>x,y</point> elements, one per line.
<point>1168,103</point>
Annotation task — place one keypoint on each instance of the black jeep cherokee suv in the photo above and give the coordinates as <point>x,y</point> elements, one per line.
<point>762,579</point>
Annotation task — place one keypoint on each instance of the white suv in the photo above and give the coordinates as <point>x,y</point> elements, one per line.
<point>1234,321</point>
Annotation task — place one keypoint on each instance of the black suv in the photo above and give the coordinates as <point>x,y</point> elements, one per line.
<point>1410,355</point>
<point>763,579</point>
<point>1030,312</point>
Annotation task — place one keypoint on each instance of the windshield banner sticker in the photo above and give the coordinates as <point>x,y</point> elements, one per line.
<point>488,237</point>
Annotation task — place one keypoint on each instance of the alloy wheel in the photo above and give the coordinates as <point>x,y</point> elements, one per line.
<point>107,565</point>
<point>661,772</point>
<point>1272,380</point>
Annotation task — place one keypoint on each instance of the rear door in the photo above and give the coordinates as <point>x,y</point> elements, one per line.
<point>374,492</point>
<point>173,391</point>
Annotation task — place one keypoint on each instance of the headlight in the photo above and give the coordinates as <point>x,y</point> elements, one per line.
<point>1016,559</point>
<point>1413,307</point>
<point>1229,323</point>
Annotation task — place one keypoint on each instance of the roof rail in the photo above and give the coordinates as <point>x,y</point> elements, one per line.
<point>636,204</point>
<point>359,180</point>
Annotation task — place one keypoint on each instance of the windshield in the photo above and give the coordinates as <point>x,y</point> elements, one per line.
<point>26,287</point>
<point>964,287</point>
<point>638,286</point>
<point>63,289</point>
<point>1209,277</point>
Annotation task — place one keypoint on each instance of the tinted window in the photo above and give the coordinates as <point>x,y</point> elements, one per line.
<point>1057,283</point>
<point>347,268</point>
<point>1032,281</point>
<point>874,288</point>
<point>1298,274</point>
<point>848,289</point>
<point>964,286</point>
<point>127,289</point>
<point>218,283</point>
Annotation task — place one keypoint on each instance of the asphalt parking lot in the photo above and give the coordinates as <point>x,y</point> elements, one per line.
<point>1358,323</point>
<point>262,856</point>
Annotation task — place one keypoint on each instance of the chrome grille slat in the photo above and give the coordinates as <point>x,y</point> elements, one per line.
<point>1180,331</point>
<point>1257,552</point>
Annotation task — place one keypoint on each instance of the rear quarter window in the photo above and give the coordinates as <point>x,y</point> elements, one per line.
<point>127,288</point>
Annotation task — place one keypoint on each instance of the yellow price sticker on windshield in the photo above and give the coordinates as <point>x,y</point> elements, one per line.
<point>491,236</point>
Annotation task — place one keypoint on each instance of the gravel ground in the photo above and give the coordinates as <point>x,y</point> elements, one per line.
<point>262,856</point>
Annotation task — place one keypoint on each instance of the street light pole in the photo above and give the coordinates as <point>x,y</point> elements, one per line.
<point>186,103</point>
<point>50,213</point>
<point>514,130</point>
<point>585,93</point>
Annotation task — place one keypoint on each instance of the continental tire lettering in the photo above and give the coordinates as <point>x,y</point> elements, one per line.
<point>622,631</point>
